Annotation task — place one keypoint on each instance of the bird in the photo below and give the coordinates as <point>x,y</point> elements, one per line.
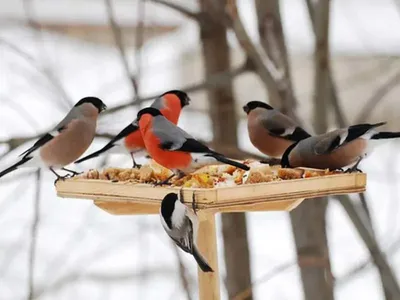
<point>271,131</point>
<point>66,142</point>
<point>173,148</point>
<point>336,149</point>
<point>181,224</point>
<point>129,140</point>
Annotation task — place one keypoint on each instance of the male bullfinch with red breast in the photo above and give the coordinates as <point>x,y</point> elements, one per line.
<point>181,224</point>
<point>270,131</point>
<point>130,140</point>
<point>174,148</point>
<point>335,149</point>
<point>66,142</point>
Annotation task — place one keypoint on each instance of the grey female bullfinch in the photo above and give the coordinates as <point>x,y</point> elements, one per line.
<point>270,131</point>
<point>336,149</point>
<point>181,224</point>
<point>66,142</point>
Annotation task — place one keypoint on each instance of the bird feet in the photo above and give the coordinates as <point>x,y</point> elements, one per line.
<point>74,173</point>
<point>136,166</point>
<point>353,170</point>
<point>161,183</point>
<point>194,203</point>
<point>62,178</point>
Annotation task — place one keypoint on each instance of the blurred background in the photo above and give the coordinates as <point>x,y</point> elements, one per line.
<point>327,63</point>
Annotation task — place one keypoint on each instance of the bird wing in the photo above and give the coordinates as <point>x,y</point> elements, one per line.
<point>173,138</point>
<point>183,236</point>
<point>124,132</point>
<point>328,142</point>
<point>73,114</point>
<point>158,103</point>
<point>282,126</point>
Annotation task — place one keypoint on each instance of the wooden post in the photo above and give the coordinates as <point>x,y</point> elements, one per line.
<point>207,243</point>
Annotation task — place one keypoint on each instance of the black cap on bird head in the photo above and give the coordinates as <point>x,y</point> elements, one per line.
<point>183,97</point>
<point>148,111</point>
<point>168,206</point>
<point>96,102</point>
<point>255,104</point>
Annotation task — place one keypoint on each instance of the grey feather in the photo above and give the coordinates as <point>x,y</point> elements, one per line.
<point>183,236</point>
<point>273,119</point>
<point>158,103</point>
<point>74,113</point>
<point>167,132</point>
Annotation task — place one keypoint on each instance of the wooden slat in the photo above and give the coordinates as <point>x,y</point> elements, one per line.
<point>127,207</point>
<point>223,199</point>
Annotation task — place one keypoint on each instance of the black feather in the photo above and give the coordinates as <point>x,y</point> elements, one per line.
<point>277,131</point>
<point>39,143</point>
<point>386,135</point>
<point>285,157</point>
<point>167,208</point>
<point>15,166</point>
<point>297,135</point>
<point>190,145</point>
<point>335,144</point>
<point>355,131</point>
<point>125,132</point>
<point>200,261</point>
<point>228,161</point>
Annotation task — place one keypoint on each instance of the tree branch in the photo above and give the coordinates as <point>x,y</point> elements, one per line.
<point>215,80</point>
<point>377,97</point>
<point>182,273</point>
<point>269,74</point>
<point>34,236</point>
<point>186,12</point>
<point>273,42</point>
<point>389,280</point>
<point>120,45</point>
<point>340,117</point>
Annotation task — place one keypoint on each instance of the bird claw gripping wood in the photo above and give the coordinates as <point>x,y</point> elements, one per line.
<point>62,178</point>
<point>194,203</point>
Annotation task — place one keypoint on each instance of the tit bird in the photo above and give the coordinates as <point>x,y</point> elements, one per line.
<point>181,224</point>
<point>174,148</point>
<point>66,142</point>
<point>270,131</point>
<point>335,149</point>
<point>129,140</point>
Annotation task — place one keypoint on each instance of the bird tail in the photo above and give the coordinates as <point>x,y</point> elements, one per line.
<point>385,135</point>
<point>201,260</point>
<point>15,166</point>
<point>97,153</point>
<point>228,161</point>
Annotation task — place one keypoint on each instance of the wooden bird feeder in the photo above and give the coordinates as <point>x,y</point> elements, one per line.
<point>125,198</point>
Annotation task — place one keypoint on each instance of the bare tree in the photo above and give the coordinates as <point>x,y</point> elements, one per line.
<point>217,59</point>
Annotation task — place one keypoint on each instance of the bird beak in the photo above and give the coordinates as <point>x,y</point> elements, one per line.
<point>103,107</point>
<point>246,109</point>
<point>135,123</point>
<point>187,101</point>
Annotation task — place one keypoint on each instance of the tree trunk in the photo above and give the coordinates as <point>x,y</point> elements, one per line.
<point>273,41</point>
<point>224,122</point>
<point>308,220</point>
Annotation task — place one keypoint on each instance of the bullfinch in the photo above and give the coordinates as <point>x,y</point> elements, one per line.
<point>181,224</point>
<point>270,131</point>
<point>66,142</point>
<point>129,140</point>
<point>335,149</point>
<point>174,148</point>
